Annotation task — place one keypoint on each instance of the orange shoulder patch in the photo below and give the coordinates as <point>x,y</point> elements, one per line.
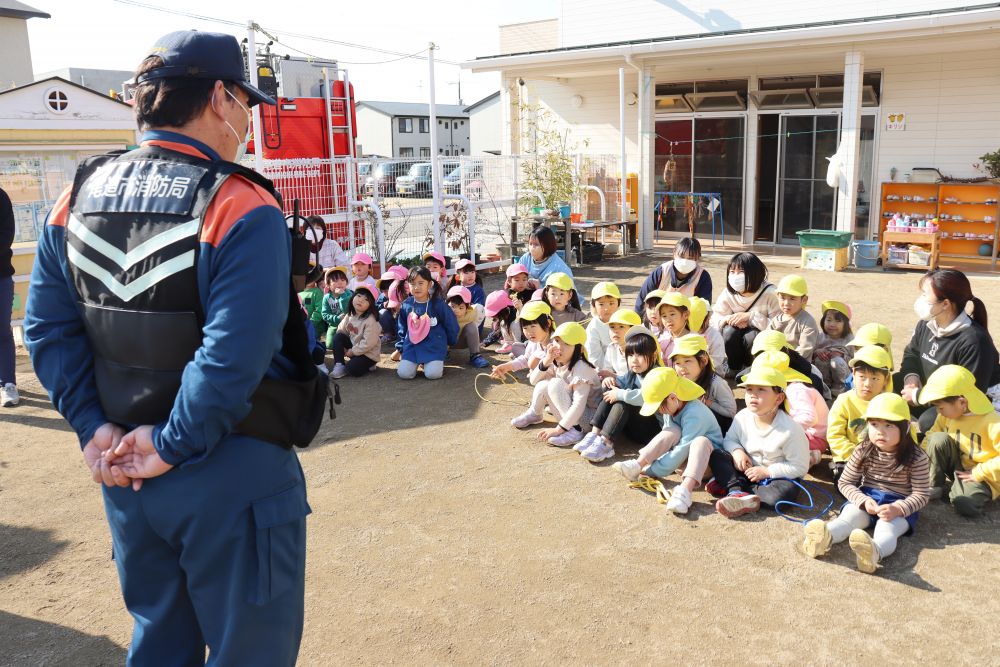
<point>235,199</point>
<point>60,211</point>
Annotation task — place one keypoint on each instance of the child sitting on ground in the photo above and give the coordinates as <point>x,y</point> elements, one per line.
<point>563,381</point>
<point>466,276</point>
<point>615,363</point>
<point>336,301</point>
<point>502,313</point>
<point>805,405</point>
<point>675,311</point>
<point>832,352</point>
<point>964,442</point>
<point>651,312</point>
<point>561,295</point>
<point>356,345</point>
<point>460,301</point>
<point>775,341</point>
<point>518,284</point>
<point>690,432</point>
<point>871,368</point>
<point>361,267</point>
<point>872,333</point>
<point>764,451</point>
<point>538,327</point>
<point>698,323</point>
<point>437,264</point>
<point>604,301</point>
<point>394,290</point>
<point>618,412</point>
<point>427,326</point>
<point>312,300</point>
<point>798,325</point>
<point>691,360</point>
<point>885,483</point>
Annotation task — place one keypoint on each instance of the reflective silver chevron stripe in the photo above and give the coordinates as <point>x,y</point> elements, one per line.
<point>139,285</point>
<point>126,260</point>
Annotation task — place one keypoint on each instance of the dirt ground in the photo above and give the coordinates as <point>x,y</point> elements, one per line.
<point>439,535</point>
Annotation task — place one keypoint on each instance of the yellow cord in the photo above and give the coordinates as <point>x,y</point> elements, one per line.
<point>652,485</point>
<point>509,380</point>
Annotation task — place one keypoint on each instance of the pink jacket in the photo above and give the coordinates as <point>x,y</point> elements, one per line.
<point>807,408</point>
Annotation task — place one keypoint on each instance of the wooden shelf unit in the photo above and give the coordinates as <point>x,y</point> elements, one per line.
<point>971,205</point>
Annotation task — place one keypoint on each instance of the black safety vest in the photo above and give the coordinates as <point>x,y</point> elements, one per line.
<point>132,241</point>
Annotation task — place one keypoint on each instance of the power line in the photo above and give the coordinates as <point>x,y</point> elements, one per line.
<point>212,19</point>
<point>274,39</point>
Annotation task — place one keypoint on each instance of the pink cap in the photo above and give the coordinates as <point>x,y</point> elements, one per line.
<point>537,295</point>
<point>362,257</point>
<point>497,301</point>
<point>371,290</point>
<point>396,272</point>
<point>463,292</point>
<point>462,263</point>
<point>436,256</point>
<point>516,270</point>
<point>394,296</point>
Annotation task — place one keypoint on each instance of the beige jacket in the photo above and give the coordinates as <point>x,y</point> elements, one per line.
<point>364,333</point>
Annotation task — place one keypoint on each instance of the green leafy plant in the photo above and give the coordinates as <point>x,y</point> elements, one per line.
<point>549,166</point>
<point>991,163</point>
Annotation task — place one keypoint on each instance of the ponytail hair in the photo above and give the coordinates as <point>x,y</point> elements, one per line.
<point>954,286</point>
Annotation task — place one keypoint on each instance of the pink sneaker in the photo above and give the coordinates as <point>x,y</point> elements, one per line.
<point>737,504</point>
<point>504,349</point>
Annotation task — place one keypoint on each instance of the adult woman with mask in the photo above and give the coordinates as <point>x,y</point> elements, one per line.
<point>947,334</point>
<point>744,307</point>
<point>541,258</point>
<point>682,274</point>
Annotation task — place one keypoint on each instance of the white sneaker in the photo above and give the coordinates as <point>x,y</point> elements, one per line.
<point>865,551</point>
<point>599,451</point>
<point>630,469</point>
<point>526,419</point>
<point>680,500</point>
<point>339,371</point>
<point>587,441</point>
<point>570,437</point>
<point>9,396</point>
<point>815,456</point>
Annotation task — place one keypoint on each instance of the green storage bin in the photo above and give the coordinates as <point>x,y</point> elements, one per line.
<point>824,238</point>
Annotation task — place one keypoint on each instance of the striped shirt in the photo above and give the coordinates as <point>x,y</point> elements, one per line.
<point>880,471</point>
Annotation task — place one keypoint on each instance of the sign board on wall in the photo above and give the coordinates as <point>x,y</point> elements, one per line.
<point>895,121</point>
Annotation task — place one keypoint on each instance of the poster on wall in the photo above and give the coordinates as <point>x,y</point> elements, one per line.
<point>895,122</point>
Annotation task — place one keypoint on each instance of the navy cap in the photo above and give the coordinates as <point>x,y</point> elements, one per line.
<point>202,55</point>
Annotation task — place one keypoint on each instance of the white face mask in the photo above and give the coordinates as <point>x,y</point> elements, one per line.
<point>924,310</point>
<point>436,275</point>
<point>241,148</point>
<point>738,281</point>
<point>685,265</point>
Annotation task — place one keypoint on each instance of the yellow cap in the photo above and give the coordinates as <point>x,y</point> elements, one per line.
<point>533,310</point>
<point>675,299</point>
<point>874,356</point>
<point>342,269</point>
<point>625,316</point>
<point>689,345</point>
<point>888,406</point>
<point>571,333</point>
<point>769,341</point>
<point>660,383</point>
<point>560,280</point>
<point>779,361</point>
<point>656,294</point>
<point>838,306</point>
<point>793,285</point>
<point>639,330</point>
<point>952,380</point>
<point>763,376</point>
<point>697,312</point>
<point>603,289</point>
<point>872,334</point>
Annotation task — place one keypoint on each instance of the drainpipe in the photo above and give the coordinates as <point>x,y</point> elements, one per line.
<point>640,213</point>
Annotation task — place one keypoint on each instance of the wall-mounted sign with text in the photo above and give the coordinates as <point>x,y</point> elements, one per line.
<point>895,121</point>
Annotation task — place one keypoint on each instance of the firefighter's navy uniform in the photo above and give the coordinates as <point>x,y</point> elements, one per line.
<point>159,295</point>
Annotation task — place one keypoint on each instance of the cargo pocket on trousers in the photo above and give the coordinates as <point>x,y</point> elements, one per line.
<point>280,522</point>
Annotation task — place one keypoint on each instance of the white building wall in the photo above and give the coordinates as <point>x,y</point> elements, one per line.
<point>374,132</point>
<point>15,53</point>
<point>25,109</point>
<point>529,36</point>
<point>486,128</point>
<point>598,21</point>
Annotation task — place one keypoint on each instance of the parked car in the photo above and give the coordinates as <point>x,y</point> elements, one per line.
<point>416,182</point>
<point>472,173</point>
<point>384,176</point>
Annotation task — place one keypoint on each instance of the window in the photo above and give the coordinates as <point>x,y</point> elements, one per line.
<point>406,151</point>
<point>425,125</point>
<point>446,125</point>
<point>425,151</point>
<point>406,125</point>
<point>56,100</point>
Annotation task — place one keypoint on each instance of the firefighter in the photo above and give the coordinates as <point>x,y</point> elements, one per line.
<point>159,320</point>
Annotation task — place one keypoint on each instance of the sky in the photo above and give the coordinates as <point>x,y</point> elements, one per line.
<point>106,34</point>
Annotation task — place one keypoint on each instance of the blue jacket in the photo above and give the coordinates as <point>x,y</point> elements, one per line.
<point>542,270</point>
<point>243,287</point>
<point>478,294</point>
<point>442,334</point>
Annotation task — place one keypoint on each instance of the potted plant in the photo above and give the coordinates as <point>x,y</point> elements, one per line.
<point>990,163</point>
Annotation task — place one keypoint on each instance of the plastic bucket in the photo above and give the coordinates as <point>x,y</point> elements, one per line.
<point>537,210</point>
<point>576,217</point>
<point>866,254</point>
<point>564,211</point>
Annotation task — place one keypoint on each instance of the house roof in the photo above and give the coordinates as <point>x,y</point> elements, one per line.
<point>486,99</point>
<point>68,83</point>
<point>416,109</point>
<point>13,9</point>
<point>724,36</point>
